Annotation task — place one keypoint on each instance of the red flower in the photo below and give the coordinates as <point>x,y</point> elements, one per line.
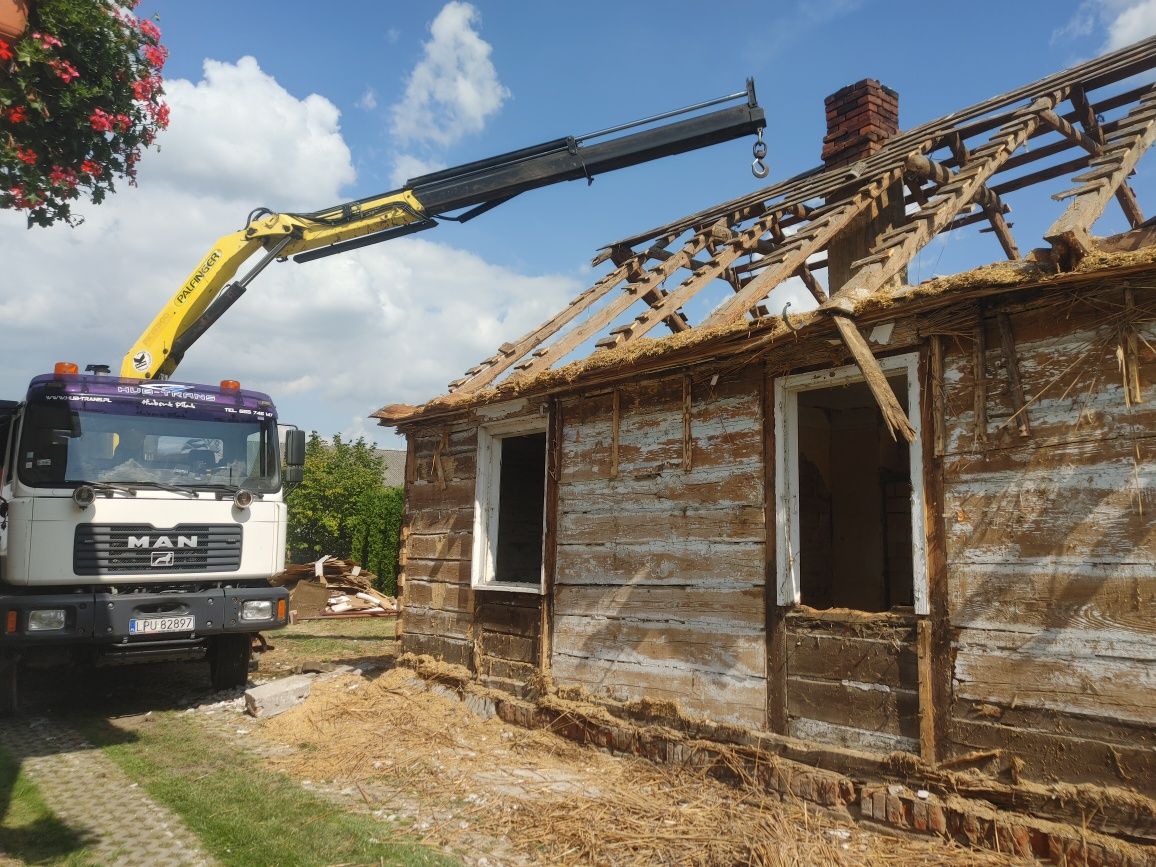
<point>5,51</point>
<point>100,120</point>
<point>91,168</point>
<point>47,41</point>
<point>17,115</point>
<point>156,55</point>
<point>65,71</point>
<point>122,122</point>
<point>160,113</point>
<point>26,156</point>
<point>62,177</point>
<point>150,30</point>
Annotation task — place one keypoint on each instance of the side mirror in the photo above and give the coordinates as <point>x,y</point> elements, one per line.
<point>294,475</point>
<point>294,448</point>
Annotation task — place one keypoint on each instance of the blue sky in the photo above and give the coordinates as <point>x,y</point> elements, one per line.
<point>300,105</point>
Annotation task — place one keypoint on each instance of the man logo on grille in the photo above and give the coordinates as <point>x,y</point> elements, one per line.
<point>163,558</point>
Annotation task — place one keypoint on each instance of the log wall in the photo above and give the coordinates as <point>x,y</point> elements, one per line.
<point>660,563</point>
<point>495,633</point>
<point>1050,542</point>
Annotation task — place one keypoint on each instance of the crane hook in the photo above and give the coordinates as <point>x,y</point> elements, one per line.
<point>758,167</point>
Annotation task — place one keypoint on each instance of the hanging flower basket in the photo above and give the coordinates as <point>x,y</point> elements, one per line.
<point>13,18</point>
<point>80,98</point>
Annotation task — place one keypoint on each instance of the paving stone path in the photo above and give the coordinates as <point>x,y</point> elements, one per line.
<point>116,819</point>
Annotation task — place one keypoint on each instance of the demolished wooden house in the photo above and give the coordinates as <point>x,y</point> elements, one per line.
<point>918,518</point>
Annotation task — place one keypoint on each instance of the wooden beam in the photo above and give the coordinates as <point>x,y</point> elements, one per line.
<point>1015,386</point>
<point>927,744</point>
<point>938,397</point>
<point>602,317</point>
<point>550,541</point>
<point>893,414</point>
<point>1070,235</point>
<point>1094,144</point>
<point>776,632</point>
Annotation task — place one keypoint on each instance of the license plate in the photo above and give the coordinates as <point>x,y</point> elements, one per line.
<point>151,625</point>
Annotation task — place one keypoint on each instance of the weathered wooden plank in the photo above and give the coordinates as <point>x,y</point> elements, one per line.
<point>516,648</point>
<point>655,492</point>
<point>432,621</point>
<point>452,466</point>
<point>441,546</point>
<point>1039,676</point>
<point>499,612</point>
<point>456,651</point>
<point>457,494</point>
<point>505,669</point>
<point>430,521</point>
<point>1111,731</point>
<point>1048,757</point>
<point>725,698</point>
<point>1029,597</point>
<point>741,607</point>
<point>448,571</point>
<point>707,564</point>
<point>817,731</point>
<point>858,705</point>
<point>740,524</point>
<point>435,594</point>
<point>661,647</point>
<point>824,657</point>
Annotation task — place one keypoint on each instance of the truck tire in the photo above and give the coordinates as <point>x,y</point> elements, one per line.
<point>229,663</point>
<point>9,685</point>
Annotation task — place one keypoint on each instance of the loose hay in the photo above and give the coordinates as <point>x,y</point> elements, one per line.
<point>550,800</point>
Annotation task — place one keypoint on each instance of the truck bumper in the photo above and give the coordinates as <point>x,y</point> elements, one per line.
<point>128,619</point>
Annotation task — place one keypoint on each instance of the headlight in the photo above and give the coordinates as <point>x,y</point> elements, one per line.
<point>243,499</point>
<point>46,620</point>
<point>257,609</point>
<point>83,496</point>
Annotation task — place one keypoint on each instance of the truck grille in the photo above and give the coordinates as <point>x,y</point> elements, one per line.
<point>122,549</point>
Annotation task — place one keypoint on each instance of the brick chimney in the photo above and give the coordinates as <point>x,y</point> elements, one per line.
<point>860,117</point>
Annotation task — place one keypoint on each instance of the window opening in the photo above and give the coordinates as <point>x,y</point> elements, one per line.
<point>521,497</point>
<point>854,501</point>
<point>849,516</point>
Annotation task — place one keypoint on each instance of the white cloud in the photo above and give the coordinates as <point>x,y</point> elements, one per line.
<point>1125,22</point>
<point>1131,24</point>
<point>331,340</point>
<point>406,166</point>
<point>368,100</point>
<point>454,88</point>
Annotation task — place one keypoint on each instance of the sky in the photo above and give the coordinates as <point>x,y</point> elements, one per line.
<point>301,106</point>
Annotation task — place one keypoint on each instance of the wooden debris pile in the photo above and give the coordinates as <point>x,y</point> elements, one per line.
<point>331,587</point>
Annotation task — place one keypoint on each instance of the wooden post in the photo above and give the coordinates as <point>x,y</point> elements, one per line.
<point>550,543</point>
<point>927,749</point>
<point>687,441</point>
<point>776,635</point>
<point>938,397</point>
<point>1015,386</point>
<point>615,420</point>
<point>979,374</point>
<point>1130,351</point>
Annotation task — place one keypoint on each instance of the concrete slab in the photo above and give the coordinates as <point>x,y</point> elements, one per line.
<point>270,699</point>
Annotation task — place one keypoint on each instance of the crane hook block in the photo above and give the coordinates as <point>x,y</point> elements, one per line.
<point>759,151</point>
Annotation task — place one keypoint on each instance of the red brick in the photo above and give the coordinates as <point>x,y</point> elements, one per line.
<point>919,816</point>
<point>895,813</point>
<point>937,819</point>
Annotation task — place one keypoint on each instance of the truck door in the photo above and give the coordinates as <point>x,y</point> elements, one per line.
<point>8,411</point>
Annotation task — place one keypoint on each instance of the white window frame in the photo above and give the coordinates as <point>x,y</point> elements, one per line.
<point>787,389</point>
<point>487,488</point>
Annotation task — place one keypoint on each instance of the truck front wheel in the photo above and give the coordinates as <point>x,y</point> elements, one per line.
<point>229,662</point>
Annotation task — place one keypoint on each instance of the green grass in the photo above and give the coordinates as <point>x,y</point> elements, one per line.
<point>331,640</point>
<point>244,814</point>
<point>29,830</point>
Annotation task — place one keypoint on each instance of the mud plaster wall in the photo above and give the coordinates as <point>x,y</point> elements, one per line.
<point>660,567</point>
<point>1050,543</point>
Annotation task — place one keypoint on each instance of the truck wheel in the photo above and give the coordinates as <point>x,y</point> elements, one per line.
<point>9,685</point>
<point>229,664</point>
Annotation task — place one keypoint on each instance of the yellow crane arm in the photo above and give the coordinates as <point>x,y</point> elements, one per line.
<point>159,349</point>
<point>479,186</point>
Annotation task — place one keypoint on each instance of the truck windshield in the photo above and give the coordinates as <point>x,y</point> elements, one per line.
<point>64,445</point>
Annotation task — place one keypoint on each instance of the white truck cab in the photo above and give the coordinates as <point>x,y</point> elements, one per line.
<point>139,520</point>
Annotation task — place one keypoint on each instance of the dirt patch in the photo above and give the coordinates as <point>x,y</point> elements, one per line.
<point>502,794</point>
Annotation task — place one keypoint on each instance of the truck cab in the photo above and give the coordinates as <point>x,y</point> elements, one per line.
<point>139,521</point>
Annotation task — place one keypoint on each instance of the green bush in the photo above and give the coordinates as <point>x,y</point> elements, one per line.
<point>344,509</point>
